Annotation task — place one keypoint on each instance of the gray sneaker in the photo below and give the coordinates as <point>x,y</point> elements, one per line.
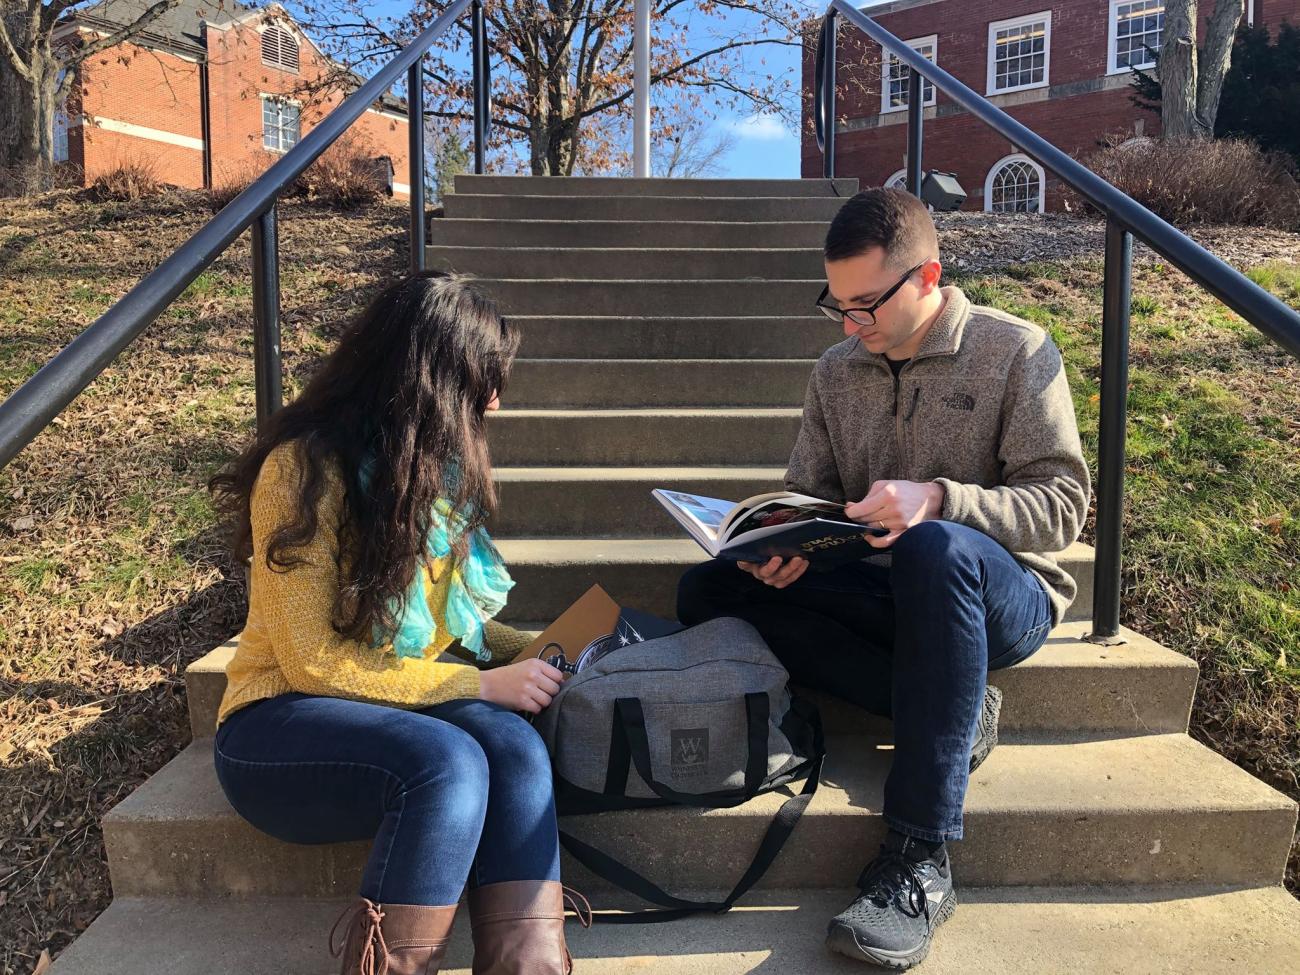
<point>987,736</point>
<point>902,901</point>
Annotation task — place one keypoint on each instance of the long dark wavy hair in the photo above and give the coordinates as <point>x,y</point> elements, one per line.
<point>408,386</point>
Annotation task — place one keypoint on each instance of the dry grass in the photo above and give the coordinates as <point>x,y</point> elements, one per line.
<point>111,580</point>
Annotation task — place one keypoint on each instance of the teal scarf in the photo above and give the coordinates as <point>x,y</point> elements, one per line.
<point>476,593</point>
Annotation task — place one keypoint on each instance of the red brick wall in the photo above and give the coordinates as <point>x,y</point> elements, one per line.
<point>160,91</point>
<point>957,142</point>
<point>148,88</point>
<point>236,70</point>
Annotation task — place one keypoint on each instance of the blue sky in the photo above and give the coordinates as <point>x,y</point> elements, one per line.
<point>764,145</point>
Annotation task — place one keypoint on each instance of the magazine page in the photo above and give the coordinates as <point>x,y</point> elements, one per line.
<point>701,516</point>
<point>782,510</point>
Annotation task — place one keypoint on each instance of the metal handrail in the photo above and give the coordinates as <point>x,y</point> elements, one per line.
<point>34,404</point>
<point>1125,219</point>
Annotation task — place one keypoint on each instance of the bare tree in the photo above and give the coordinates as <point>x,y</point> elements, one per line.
<point>691,150</point>
<point>36,76</point>
<point>562,69</point>
<point>1191,85</point>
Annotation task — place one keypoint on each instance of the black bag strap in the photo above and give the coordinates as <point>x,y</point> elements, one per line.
<point>787,817</point>
<point>629,720</point>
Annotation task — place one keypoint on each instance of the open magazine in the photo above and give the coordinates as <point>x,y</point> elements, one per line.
<point>779,523</point>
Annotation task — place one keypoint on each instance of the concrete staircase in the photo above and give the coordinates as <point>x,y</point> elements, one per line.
<point>668,337</point>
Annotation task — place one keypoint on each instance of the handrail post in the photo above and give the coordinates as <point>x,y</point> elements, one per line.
<point>825,108</point>
<point>415,149</point>
<point>266,316</point>
<point>1116,301</point>
<point>482,96</point>
<point>915,103</point>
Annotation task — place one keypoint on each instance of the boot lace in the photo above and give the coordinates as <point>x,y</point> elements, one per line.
<point>365,914</point>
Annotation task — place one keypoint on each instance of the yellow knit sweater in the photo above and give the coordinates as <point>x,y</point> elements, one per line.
<point>288,644</point>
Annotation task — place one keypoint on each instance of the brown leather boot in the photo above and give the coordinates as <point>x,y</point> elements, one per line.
<point>393,939</point>
<point>518,927</point>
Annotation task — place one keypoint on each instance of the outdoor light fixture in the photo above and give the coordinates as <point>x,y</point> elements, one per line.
<point>942,191</point>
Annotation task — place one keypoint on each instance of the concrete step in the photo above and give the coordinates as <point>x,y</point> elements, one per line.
<point>576,438</point>
<point>658,186</point>
<point>1008,931</point>
<point>551,573</point>
<point>644,262</point>
<point>1070,687</point>
<point>666,298</point>
<point>729,209</point>
<point>1157,809</point>
<point>609,502</point>
<point>486,232</point>
<point>658,382</point>
<point>727,337</point>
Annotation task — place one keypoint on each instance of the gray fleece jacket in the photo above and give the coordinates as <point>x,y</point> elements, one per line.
<point>983,409</point>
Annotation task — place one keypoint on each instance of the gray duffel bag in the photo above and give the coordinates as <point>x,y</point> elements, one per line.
<point>703,717</point>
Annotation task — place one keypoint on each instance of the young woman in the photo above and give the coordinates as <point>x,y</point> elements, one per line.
<point>369,696</point>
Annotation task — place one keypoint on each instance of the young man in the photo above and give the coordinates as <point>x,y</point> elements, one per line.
<point>951,426</point>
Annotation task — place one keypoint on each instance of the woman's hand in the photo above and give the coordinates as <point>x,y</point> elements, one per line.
<point>526,686</point>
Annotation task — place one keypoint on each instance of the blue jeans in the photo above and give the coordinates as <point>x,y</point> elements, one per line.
<point>913,641</point>
<point>457,792</point>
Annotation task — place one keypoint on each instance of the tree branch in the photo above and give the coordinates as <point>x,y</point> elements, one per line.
<point>469,118</point>
<point>677,69</point>
<point>23,71</point>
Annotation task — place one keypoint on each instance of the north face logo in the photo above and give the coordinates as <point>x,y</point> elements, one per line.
<point>690,749</point>
<point>960,401</point>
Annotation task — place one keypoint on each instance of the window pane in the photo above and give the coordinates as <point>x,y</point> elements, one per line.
<point>1020,55</point>
<point>1138,26</point>
<point>1016,188</point>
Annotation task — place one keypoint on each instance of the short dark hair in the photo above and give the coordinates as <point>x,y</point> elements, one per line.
<point>883,217</point>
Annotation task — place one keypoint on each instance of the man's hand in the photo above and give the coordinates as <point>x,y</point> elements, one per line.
<point>897,506</point>
<point>774,572</point>
<point>526,686</point>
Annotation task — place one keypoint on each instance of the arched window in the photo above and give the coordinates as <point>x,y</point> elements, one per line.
<point>279,48</point>
<point>1014,185</point>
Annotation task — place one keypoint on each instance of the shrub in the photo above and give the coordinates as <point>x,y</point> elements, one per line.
<point>127,182</point>
<point>233,180</point>
<point>1190,181</point>
<point>346,176</point>
<point>39,177</point>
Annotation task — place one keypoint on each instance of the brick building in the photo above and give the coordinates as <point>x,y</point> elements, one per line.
<point>1063,68</point>
<point>211,91</point>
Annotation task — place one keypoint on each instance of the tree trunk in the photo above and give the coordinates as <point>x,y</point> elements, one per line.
<point>1216,58</point>
<point>27,109</point>
<point>1177,70</point>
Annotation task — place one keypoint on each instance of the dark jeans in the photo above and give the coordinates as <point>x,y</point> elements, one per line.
<point>452,793</point>
<point>913,641</point>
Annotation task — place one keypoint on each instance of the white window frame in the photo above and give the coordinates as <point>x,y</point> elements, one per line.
<point>61,125</point>
<point>1044,16</point>
<point>997,167</point>
<point>1112,38</point>
<point>281,100</point>
<point>888,59</point>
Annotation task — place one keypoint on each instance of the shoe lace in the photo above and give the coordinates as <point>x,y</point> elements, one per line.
<point>893,878</point>
<point>573,897</point>
<point>367,913</point>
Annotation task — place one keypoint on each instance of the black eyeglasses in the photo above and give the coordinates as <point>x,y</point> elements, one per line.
<point>862,316</point>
